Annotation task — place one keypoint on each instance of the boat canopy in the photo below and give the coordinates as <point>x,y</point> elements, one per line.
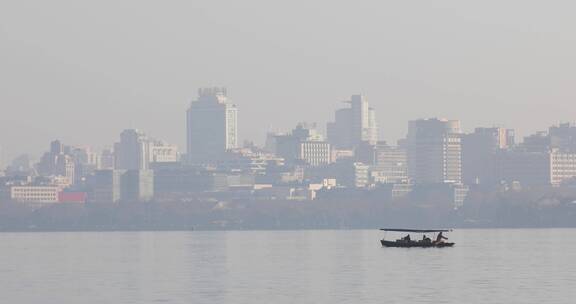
<point>417,230</point>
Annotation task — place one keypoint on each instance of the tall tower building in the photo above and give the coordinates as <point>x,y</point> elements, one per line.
<point>364,127</point>
<point>339,132</point>
<point>479,152</point>
<point>58,162</point>
<point>212,125</point>
<point>354,125</point>
<point>434,151</point>
<point>132,152</point>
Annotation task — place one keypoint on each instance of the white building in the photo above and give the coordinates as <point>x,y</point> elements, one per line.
<point>163,153</point>
<point>312,149</point>
<point>304,144</point>
<point>353,125</point>
<point>35,194</point>
<point>391,165</point>
<point>562,167</point>
<point>315,153</point>
<point>212,125</point>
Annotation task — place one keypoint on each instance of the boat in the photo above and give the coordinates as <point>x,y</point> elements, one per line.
<point>425,242</point>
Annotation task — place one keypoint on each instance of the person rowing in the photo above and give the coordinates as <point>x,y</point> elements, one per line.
<point>440,238</point>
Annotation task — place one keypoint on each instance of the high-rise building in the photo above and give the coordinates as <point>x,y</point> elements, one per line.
<point>563,137</point>
<point>85,162</point>
<point>137,186</point>
<point>479,152</point>
<point>133,151</point>
<point>107,159</point>
<point>303,144</point>
<point>211,125</point>
<point>537,142</point>
<point>56,147</point>
<point>340,130</point>
<point>136,151</point>
<point>353,125</point>
<point>113,186</point>
<point>58,162</point>
<point>105,186</point>
<point>434,151</point>
<point>531,168</point>
<point>391,165</point>
<point>65,166</point>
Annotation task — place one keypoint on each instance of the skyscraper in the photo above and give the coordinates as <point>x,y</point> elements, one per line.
<point>136,151</point>
<point>479,152</point>
<point>363,121</point>
<point>339,132</point>
<point>434,151</point>
<point>57,162</point>
<point>353,125</point>
<point>132,152</point>
<point>211,125</point>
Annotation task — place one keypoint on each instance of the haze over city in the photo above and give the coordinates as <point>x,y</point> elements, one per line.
<point>257,151</point>
<point>82,73</point>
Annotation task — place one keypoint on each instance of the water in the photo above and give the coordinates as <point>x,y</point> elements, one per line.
<point>486,266</point>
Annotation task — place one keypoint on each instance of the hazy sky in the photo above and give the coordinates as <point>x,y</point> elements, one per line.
<point>82,71</point>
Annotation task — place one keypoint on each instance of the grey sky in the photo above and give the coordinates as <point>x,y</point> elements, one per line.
<point>82,71</point>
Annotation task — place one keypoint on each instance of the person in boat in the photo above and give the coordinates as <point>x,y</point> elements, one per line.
<point>426,239</point>
<point>440,238</point>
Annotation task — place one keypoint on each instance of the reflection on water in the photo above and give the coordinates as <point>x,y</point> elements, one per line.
<point>486,266</point>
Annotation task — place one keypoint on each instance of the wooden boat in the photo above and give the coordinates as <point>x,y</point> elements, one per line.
<point>422,243</point>
<point>414,244</point>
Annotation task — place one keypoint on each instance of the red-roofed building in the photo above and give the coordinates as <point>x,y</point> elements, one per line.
<point>72,197</point>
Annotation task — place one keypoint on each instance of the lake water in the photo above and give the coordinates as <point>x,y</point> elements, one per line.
<point>486,266</point>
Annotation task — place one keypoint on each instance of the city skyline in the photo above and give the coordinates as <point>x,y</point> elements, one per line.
<point>9,154</point>
<point>262,151</point>
<point>434,152</point>
<point>373,113</point>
